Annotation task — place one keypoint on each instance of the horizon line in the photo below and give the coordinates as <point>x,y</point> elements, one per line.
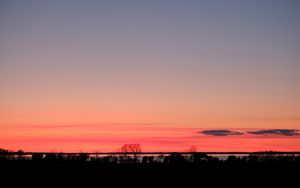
<point>154,153</point>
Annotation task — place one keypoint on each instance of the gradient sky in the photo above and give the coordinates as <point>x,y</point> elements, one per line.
<point>93,75</point>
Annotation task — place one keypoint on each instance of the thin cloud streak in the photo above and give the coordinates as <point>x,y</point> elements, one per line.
<point>222,132</point>
<point>283,132</point>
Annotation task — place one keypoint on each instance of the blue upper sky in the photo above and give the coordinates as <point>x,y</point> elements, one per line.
<point>234,57</point>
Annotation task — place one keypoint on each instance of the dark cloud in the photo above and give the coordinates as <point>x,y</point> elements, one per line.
<point>284,132</point>
<point>220,132</point>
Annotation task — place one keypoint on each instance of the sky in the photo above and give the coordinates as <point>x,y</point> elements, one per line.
<point>94,75</point>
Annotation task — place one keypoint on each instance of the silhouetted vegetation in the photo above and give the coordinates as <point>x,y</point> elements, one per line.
<point>152,169</point>
<point>132,153</point>
<point>132,149</point>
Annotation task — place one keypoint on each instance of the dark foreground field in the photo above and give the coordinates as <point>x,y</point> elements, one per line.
<point>203,174</point>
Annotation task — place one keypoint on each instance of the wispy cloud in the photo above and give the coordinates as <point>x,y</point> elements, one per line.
<point>283,132</point>
<point>223,132</point>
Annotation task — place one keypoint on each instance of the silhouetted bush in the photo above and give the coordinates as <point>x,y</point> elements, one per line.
<point>37,156</point>
<point>197,157</point>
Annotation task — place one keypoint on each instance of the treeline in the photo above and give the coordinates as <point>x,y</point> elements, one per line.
<point>196,157</point>
<point>136,169</point>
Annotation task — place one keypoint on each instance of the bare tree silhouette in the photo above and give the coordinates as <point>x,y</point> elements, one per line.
<point>20,154</point>
<point>192,149</point>
<point>131,149</point>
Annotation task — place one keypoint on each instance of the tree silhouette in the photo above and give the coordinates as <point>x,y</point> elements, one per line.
<point>232,158</point>
<point>131,149</point>
<point>3,150</point>
<point>3,153</point>
<point>37,156</point>
<point>83,157</point>
<point>192,149</point>
<point>20,154</point>
<point>197,157</point>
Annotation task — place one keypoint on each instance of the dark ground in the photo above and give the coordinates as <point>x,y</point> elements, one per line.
<point>203,174</point>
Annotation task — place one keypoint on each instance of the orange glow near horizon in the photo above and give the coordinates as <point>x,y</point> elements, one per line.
<point>110,137</point>
<point>157,128</point>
